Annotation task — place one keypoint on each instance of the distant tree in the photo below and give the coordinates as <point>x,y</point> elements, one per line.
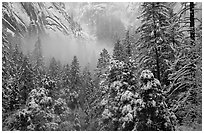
<point>88,95</point>
<point>66,75</point>
<point>53,69</point>
<point>26,79</point>
<point>87,84</point>
<point>102,68</point>
<point>75,81</point>
<point>128,45</point>
<point>59,70</point>
<point>38,61</point>
<point>119,52</point>
<point>103,62</point>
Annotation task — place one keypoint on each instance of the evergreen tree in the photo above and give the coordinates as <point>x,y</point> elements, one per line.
<point>128,45</point>
<point>102,69</point>
<point>103,62</point>
<point>59,71</point>
<point>75,81</point>
<point>119,51</point>
<point>88,94</point>
<point>66,75</point>
<point>53,69</point>
<point>38,62</point>
<point>153,113</point>
<point>87,84</point>
<point>183,92</point>
<point>12,87</point>
<point>153,45</point>
<point>26,79</point>
<point>127,107</point>
<point>5,71</point>
<point>119,100</point>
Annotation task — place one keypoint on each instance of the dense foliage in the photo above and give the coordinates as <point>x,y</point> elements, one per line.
<point>151,81</point>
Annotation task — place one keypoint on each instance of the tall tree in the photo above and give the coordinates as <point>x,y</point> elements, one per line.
<point>66,75</point>
<point>26,79</point>
<point>6,66</point>
<point>119,97</point>
<point>53,69</point>
<point>38,61</point>
<point>153,44</point>
<point>75,75</point>
<point>102,66</point>
<point>88,90</point>
<point>192,22</point>
<point>103,62</point>
<point>127,44</point>
<point>183,91</point>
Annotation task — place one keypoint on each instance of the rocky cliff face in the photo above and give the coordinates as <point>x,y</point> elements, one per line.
<point>33,18</point>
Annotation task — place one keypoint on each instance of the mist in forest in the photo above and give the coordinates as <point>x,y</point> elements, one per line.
<point>64,48</point>
<point>102,26</point>
<point>101,66</point>
<point>102,29</point>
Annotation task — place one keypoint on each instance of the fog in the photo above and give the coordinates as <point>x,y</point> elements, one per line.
<point>102,30</point>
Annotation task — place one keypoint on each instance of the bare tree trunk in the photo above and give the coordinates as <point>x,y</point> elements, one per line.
<point>157,62</point>
<point>192,23</point>
<point>156,50</point>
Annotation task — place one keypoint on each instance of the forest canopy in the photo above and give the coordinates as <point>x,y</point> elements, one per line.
<point>135,67</point>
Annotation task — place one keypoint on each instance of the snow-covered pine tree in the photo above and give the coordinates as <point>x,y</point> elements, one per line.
<point>13,86</point>
<point>53,69</point>
<point>103,61</point>
<point>75,84</point>
<point>126,107</point>
<point>120,97</point>
<point>127,45</point>
<point>119,52</point>
<point>38,62</point>
<point>66,75</point>
<point>59,75</point>
<point>184,91</point>
<point>5,71</point>
<point>38,108</point>
<point>26,79</point>
<point>88,86</point>
<point>75,75</point>
<point>153,113</point>
<point>89,96</point>
<point>102,64</point>
<point>102,68</point>
<point>153,45</point>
